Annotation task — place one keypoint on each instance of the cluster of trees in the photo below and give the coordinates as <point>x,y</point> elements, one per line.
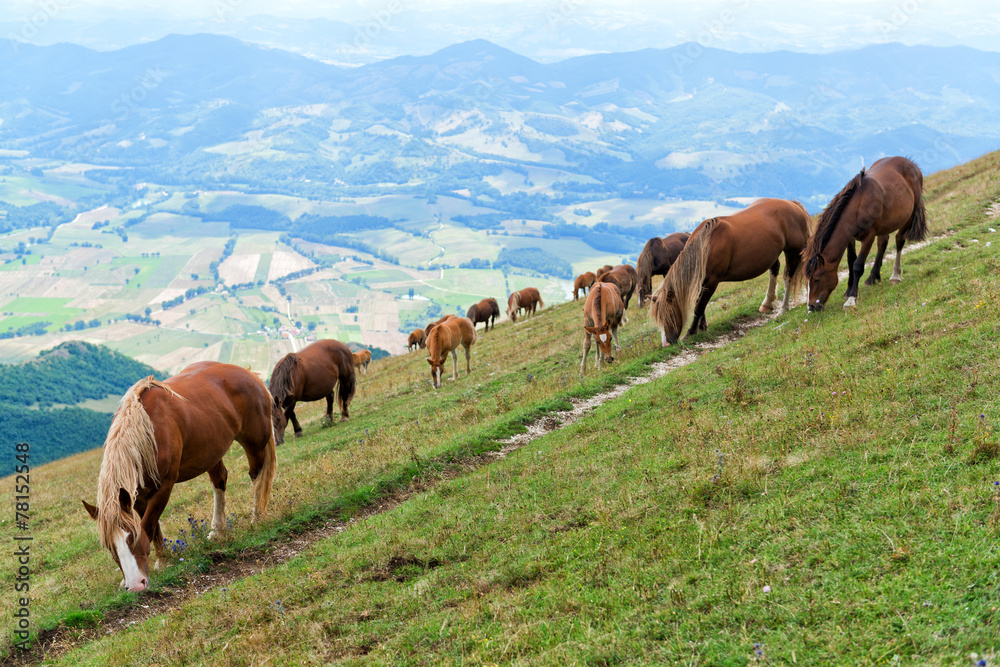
<point>141,319</point>
<point>191,293</point>
<point>53,433</point>
<point>80,325</point>
<point>534,259</point>
<point>39,328</point>
<point>42,214</point>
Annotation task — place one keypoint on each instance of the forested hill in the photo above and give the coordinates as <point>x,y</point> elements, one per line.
<point>65,375</point>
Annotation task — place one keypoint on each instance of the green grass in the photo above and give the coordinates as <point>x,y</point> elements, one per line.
<point>837,459</point>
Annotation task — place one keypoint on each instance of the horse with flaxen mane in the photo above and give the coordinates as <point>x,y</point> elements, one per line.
<point>165,433</point>
<point>310,374</point>
<point>602,315</point>
<point>582,282</point>
<point>361,360</point>
<point>887,198</point>
<point>445,338</point>
<point>527,300</point>
<point>732,248</point>
<point>415,340</point>
<point>487,310</point>
<point>656,259</point>
<point>624,278</point>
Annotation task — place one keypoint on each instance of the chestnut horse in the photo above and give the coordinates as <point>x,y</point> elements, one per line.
<point>430,327</point>
<point>656,259</point>
<point>415,341</point>
<point>602,315</point>
<point>361,360</point>
<point>527,300</point>
<point>487,310</point>
<point>445,338</point>
<point>888,198</point>
<point>601,271</point>
<point>582,282</point>
<point>730,249</point>
<point>624,278</point>
<point>165,433</point>
<point>310,374</point>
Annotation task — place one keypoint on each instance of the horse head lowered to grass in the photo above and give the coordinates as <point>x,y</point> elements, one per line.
<point>887,198</point>
<point>602,315</point>
<point>165,433</point>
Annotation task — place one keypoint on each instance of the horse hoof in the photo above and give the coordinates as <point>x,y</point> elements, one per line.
<point>765,309</point>
<point>298,434</point>
<point>895,281</point>
<point>850,303</point>
<point>344,418</point>
<point>213,535</point>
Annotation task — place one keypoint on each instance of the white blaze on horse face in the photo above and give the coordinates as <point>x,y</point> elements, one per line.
<point>663,339</point>
<point>135,580</point>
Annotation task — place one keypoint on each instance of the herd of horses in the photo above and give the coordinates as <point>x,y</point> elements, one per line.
<point>168,432</point>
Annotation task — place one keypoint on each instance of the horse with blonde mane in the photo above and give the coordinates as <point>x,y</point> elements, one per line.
<point>416,340</point>
<point>732,248</point>
<point>311,374</point>
<point>602,315</point>
<point>361,360</point>
<point>445,338</point>
<point>887,198</point>
<point>169,432</point>
<point>582,282</point>
<point>527,300</point>
<point>656,259</point>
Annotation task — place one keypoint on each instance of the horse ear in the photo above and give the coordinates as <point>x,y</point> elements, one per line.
<point>125,500</point>
<point>430,361</point>
<point>592,330</point>
<point>91,510</point>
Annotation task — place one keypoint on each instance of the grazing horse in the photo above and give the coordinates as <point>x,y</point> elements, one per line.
<point>487,310</point>
<point>310,374</point>
<point>416,340</point>
<point>602,315</point>
<point>164,433</point>
<point>527,300</point>
<point>888,198</point>
<point>656,259</point>
<point>730,249</point>
<point>624,278</point>
<point>430,327</point>
<point>601,271</point>
<point>445,338</point>
<point>582,282</point>
<point>361,360</point>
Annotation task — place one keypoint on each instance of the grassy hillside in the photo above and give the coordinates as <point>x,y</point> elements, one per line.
<point>820,490</point>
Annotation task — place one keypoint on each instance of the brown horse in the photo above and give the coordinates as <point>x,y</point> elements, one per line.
<point>445,338</point>
<point>888,198</point>
<point>527,300</point>
<point>582,282</point>
<point>165,433</point>
<point>624,278</point>
<point>656,259</point>
<point>310,374</point>
<point>733,248</point>
<point>416,340</point>
<point>602,315</point>
<point>487,310</point>
<point>430,327</point>
<point>361,360</point>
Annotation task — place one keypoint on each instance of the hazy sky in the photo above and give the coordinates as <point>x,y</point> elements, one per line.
<point>545,29</point>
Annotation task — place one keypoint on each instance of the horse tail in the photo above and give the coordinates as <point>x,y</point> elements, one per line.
<point>644,270</point>
<point>129,456</point>
<point>797,278</point>
<point>828,222</point>
<point>679,292</point>
<point>346,386</point>
<point>917,230</point>
<point>262,484</point>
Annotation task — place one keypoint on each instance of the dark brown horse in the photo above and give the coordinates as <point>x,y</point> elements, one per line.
<point>656,259</point>
<point>582,282</point>
<point>887,198</point>
<point>165,433</point>
<point>624,278</point>
<point>487,310</point>
<point>602,315</point>
<point>311,374</point>
<point>601,271</point>
<point>415,340</point>
<point>733,248</point>
<point>527,300</point>
<point>445,338</point>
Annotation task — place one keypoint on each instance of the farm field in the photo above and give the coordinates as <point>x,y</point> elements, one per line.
<point>796,489</point>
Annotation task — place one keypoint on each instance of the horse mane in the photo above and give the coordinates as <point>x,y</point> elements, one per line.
<point>129,455</point>
<point>644,265</point>
<point>827,222</point>
<point>515,302</point>
<point>597,315</point>
<point>684,280</point>
<point>281,377</point>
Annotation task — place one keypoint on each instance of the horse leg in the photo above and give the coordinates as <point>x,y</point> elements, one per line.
<point>454,364</point>
<point>328,417</point>
<point>793,260</point>
<point>614,334</point>
<point>897,267</point>
<point>290,415</point>
<point>699,323</point>
<point>859,270</point>
<point>876,273</point>
<point>586,351</point>
<point>767,305</point>
<point>150,522</point>
<point>852,256</point>
<point>218,474</point>
<point>468,360</point>
<point>156,539</point>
